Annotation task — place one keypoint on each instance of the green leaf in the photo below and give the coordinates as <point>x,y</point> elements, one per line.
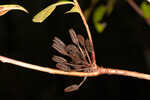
<point>146,9</point>
<point>42,15</point>
<point>97,17</point>
<point>99,13</point>
<point>5,8</point>
<point>100,27</point>
<point>73,10</point>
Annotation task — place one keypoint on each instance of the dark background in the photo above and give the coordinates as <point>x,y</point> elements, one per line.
<point>124,45</point>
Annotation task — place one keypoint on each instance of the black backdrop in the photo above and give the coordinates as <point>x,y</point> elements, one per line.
<point>124,44</point>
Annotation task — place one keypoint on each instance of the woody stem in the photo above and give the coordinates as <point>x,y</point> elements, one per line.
<point>45,69</point>
<point>99,71</point>
<point>111,71</point>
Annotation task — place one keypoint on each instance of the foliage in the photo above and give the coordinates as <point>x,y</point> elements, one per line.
<point>145,7</point>
<point>5,8</point>
<point>42,15</point>
<point>97,16</point>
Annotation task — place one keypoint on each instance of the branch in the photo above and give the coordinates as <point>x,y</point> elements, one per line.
<point>126,73</point>
<point>45,69</point>
<point>138,10</point>
<point>99,71</point>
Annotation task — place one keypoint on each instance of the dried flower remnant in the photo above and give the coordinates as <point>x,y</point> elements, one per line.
<point>88,45</point>
<point>59,59</point>
<point>73,36</point>
<point>59,46</point>
<point>79,55</point>
<point>81,40</point>
<point>63,67</point>
<point>74,87</point>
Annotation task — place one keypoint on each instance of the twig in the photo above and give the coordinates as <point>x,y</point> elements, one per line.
<point>44,69</point>
<point>126,73</point>
<point>99,71</point>
<point>138,10</point>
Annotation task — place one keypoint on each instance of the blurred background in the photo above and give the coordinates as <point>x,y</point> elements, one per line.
<point>124,44</point>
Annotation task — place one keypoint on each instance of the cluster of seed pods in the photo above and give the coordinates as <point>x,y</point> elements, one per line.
<point>79,51</point>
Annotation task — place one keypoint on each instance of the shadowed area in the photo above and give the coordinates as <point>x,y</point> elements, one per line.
<point>124,44</point>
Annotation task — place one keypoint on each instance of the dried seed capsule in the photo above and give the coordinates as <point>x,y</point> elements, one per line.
<point>59,48</point>
<point>59,59</point>
<point>71,88</point>
<point>72,48</point>
<point>58,41</point>
<point>74,53</point>
<point>63,67</point>
<point>88,45</point>
<point>81,40</point>
<point>73,36</point>
<point>77,68</point>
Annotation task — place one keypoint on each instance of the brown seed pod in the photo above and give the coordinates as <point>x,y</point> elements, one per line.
<point>74,53</point>
<point>73,36</point>
<point>81,40</point>
<point>59,46</point>
<point>59,42</point>
<point>63,67</point>
<point>59,59</point>
<point>72,48</point>
<point>88,45</point>
<point>71,88</point>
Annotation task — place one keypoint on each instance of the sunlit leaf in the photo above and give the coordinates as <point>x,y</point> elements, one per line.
<point>100,27</point>
<point>99,13</point>
<point>42,15</point>
<point>146,9</point>
<point>97,17</point>
<point>73,10</point>
<point>5,8</point>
